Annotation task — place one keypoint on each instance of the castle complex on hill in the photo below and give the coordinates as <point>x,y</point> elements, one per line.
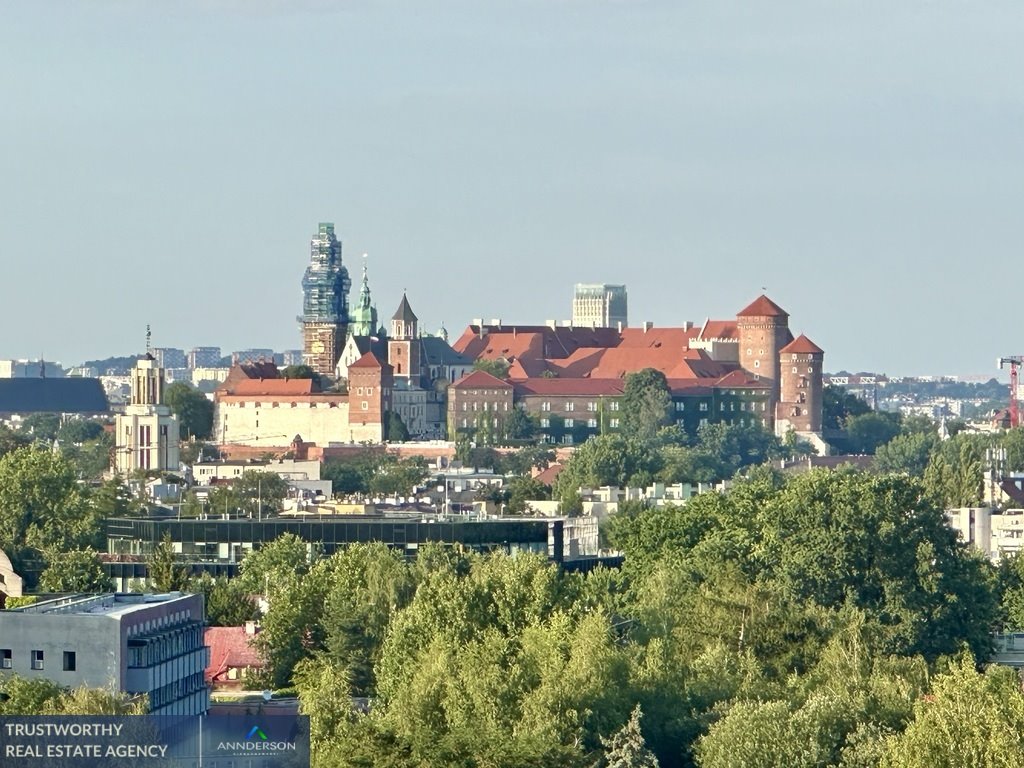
<point>749,371</point>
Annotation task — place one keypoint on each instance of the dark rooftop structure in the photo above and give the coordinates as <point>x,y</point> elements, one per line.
<point>68,395</point>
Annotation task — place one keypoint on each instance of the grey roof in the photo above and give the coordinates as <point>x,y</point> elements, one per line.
<point>376,344</point>
<point>70,395</point>
<point>404,312</point>
<point>437,351</point>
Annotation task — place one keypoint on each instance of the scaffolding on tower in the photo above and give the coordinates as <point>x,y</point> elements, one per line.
<point>1014,362</point>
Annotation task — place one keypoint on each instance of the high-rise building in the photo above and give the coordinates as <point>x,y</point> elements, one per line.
<point>258,355</point>
<point>169,357</point>
<point>147,432</point>
<point>204,357</point>
<point>325,288</point>
<point>597,305</point>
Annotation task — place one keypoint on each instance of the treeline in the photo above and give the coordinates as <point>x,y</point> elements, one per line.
<point>831,619</point>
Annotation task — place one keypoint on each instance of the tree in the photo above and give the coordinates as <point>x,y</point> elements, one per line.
<point>228,603</point>
<point>523,490</point>
<point>41,426</point>
<point>969,719</point>
<point>165,574</point>
<point>520,425</point>
<point>908,453</point>
<point>395,430</point>
<point>497,368</point>
<point>398,477</point>
<point>302,372</point>
<point>193,409</point>
<point>42,507</point>
<point>627,748</point>
<point>838,405</point>
<point>866,432</point>
<point>11,440</point>
<point>78,431</point>
<point>259,493</point>
<point>646,404</point>
<point>276,562</point>
<point>77,570</point>
<point>612,459</point>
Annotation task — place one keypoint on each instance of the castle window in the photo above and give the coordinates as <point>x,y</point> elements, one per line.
<point>703,406</point>
<point>810,370</point>
<point>569,423</point>
<point>749,352</point>
<point>757,363</point>
<point>613,423</point>
<point>680,406</point>
<point>465,423</point>
<point>570,406</point>
<point>614,406</point>
<point>592,423</point>
<point>365,406</point>
<point>794,369</point>
<point>545,422</point>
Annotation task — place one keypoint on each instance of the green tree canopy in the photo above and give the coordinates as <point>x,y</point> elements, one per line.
<point>646,404</point>
<point>395,429</point>
<point>162,567</point>
<point>75,570</point>
<point>838,405</point>
<point>193,409</point>
<point>497,368</point>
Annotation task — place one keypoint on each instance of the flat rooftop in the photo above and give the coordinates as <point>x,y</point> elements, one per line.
<point>107,604</point>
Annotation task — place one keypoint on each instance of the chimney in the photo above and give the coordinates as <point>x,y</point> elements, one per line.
<point>620,326</point>
<point>648,325</point>
<point>496,321</point>
<point>550,324</point>
<point>250,628</point>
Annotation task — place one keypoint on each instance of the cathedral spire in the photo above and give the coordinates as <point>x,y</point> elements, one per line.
<point>364,316</point>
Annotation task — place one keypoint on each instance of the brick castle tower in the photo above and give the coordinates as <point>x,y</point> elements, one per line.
<point>800,405</point>
<point>763,331</point>
<point>404,345</point>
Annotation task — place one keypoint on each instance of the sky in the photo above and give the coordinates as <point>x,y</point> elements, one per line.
<point>168,163</point>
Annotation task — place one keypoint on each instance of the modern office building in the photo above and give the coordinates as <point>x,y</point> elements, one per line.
<point>597,305</point>
<point>217,545</point>
<point>135,644</point>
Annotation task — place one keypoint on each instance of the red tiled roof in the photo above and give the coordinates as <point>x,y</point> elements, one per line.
<point>480,380</point>
<point>229,649</point>
<point>271,387</point>
<point>369,360</point>
<point>538,341</point>
<point>569,387</point>
<point>740,378</point>
<point>246,371</point>
<point>803,346</point>
<point>719,329</point>
<point>762,306</point>
<point>656,338</point>
<point>547,477</point>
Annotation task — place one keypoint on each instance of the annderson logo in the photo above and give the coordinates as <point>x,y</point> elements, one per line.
<point>256,742</point>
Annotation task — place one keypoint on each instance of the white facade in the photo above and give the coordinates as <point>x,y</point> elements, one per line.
<point>147,433</point>
<point>599,306</point>
<point>411,404</point>
<point>271,422</point>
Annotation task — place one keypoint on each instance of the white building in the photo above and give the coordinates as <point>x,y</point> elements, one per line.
<point>147,432</point>
<point>598,305</point>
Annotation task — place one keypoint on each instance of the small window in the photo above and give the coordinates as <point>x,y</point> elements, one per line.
<point>613,423</point>
<point>365,406</point>
<point>69,661</point>
<point>570,423</point>
<point>592,423</point>
<point>37,659</point>
<point>5,658</point>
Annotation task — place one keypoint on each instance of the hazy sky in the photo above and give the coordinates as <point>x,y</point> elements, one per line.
<point>167,163</point>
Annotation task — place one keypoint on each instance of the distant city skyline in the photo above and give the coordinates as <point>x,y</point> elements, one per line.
<point>857,161</point>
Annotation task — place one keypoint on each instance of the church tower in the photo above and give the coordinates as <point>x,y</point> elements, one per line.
<point>404,344</point>
<point>325,288</point>
<point>364,317</point>
<point>763,328</point>
<point>147,432</point>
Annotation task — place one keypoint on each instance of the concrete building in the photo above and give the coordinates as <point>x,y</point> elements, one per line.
<point>255,355</point>
<point>204,357</point>
<point>30,369</point>
<point>147,432</point>
<point>170,357</point>
<point>599,306</point>
<point>135,644</point>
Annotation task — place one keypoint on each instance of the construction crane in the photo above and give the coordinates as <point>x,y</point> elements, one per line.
<point>1015,362</point>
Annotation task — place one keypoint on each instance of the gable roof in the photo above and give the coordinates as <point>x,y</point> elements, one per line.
<point>229,649</point>
<point>437,351</point>
<point>70,395</point>
<point>762,306</point>
<point>801,345</point>
<point>481,380</point>
<point>404,312</point>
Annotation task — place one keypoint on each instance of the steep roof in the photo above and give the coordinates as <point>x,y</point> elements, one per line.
<point>762,306</point>
<point>481,380</point>
<point>437,351</point>
<point>404,312</point>
<point>369,360</point>
<point>230,648</point>
<point>801,345</point>
<point>718,329</point>
<point>70,395</point>
<point>569,387</point>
